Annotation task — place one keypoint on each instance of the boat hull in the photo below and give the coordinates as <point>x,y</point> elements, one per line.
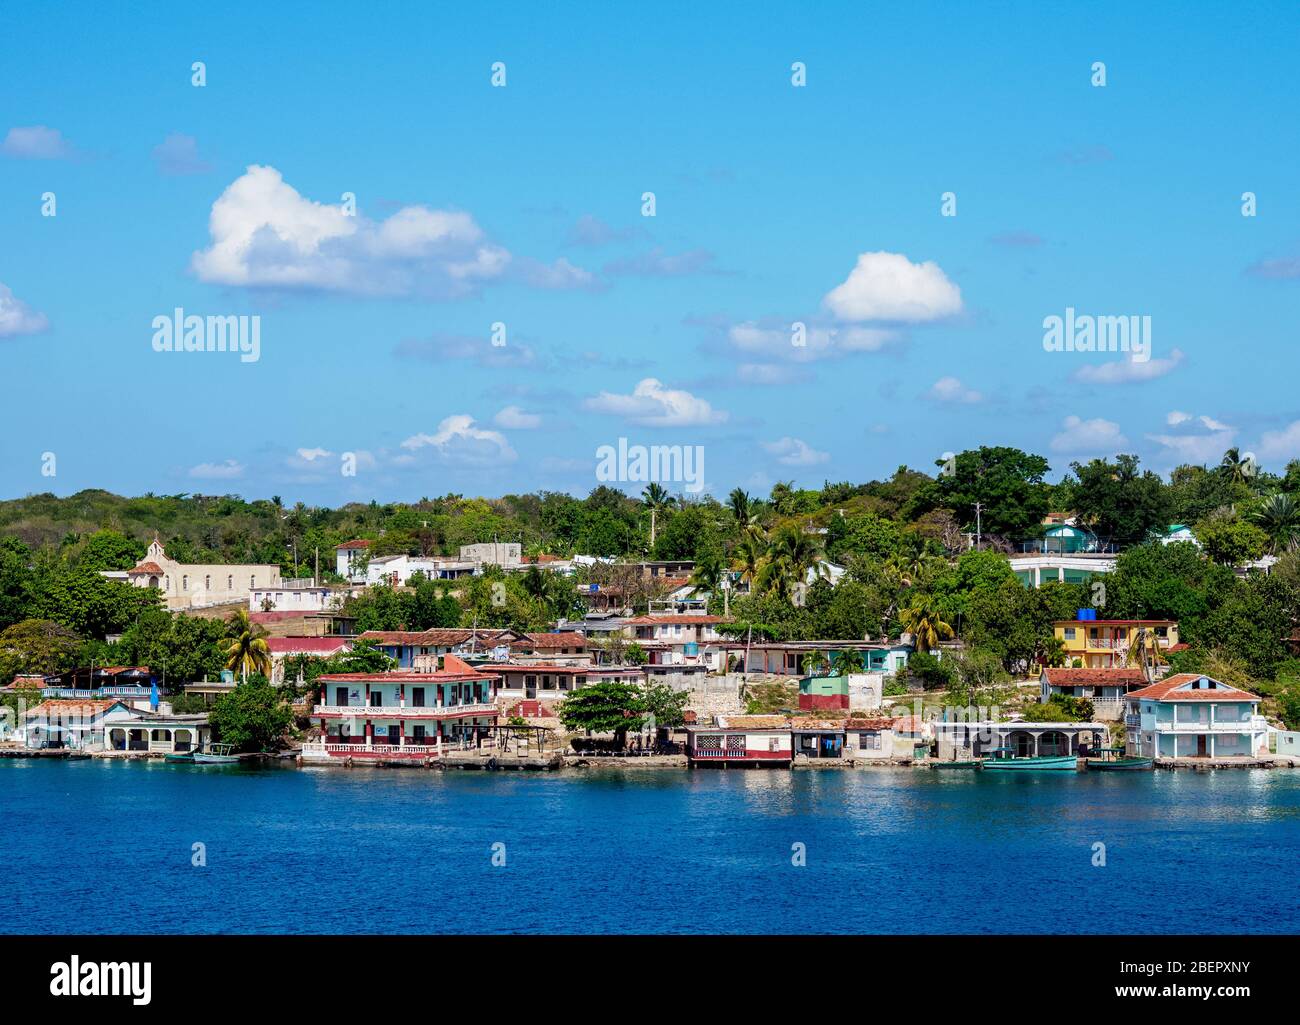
<point>1123,765</point>
<point>954,765</point>
<point>184,758</point>
<point>1051,763</point>
<point>215,759</point>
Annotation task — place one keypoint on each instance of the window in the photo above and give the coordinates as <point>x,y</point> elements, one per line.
<point>207,582</point>
<point>185,582</point>
<point>1069,633</point>
<point>417,697</point>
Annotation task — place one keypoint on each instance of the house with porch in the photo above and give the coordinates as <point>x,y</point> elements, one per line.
<point>403,715</point>
<point>1189,715</point>
<point>786,658</point>
<point>961,740</point>
<point>813,737</point>
<point>554,681</point>
<point>740,741</point>
<point>110,724</point>
<point>671,639</point>
<point>1105,688</point>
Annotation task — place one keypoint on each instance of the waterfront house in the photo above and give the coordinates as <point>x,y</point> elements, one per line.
<point>382,716</point>
<point>413,649</point>
<point>99,724</point>
<point>785,658</point>
<point>129,683</point>
<point>188,585</point>
<point>1189,715</point>
<point>961,740</point>
<point>1105,688</point>
<point>873,740</point>
<point>1091,643</point>
<point>740,741</point>
<point>812,737</point>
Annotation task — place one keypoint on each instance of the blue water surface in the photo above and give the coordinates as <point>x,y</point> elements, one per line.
<point>107,846</point>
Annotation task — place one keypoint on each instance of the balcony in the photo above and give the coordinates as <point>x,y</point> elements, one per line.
<point>406,712</point>
<point>1218,726</point>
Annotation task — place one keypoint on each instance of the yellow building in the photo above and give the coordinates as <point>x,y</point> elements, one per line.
<point>1104,643</point>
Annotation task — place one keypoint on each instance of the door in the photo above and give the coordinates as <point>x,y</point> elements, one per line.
<point>1200,745</point>
<point>341,696</point>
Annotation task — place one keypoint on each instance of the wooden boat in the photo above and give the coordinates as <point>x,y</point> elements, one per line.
<point>956,765</point>
<point>217,754</point>
<point>1112,760</point>
<point>180,756</point>
<point>1004,759</point>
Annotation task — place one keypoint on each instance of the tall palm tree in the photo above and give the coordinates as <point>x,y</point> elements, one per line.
<point>1279,516</point>
<point>791,556</point>
<point>245,646</point>
<point>923,620</point>
<point>782,497</point>
<point>1237,468</point>
<point>655,497</point>
<point>814,663</point>
<point>747,557</point>
<point>742,508</point>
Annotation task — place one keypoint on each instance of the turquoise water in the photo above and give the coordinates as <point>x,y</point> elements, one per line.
<point>101,846</point>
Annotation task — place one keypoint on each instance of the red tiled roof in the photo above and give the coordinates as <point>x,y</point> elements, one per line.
<point>144,568</point>
<point>1093,677</point>
<point>438,637</point>
<point>755,722</point>
<point>359,543</point>
<point>1166,690</point>
<point>869,724</point>
<point>570,639</point>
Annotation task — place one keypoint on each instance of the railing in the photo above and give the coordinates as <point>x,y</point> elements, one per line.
<point>1133,722</point>
<point>1205,725</point>
<point>96,692</point>
<point>318,748</point>
<point>407,711</point>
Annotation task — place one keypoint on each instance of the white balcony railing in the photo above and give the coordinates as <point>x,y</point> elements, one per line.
<point>407,712</point>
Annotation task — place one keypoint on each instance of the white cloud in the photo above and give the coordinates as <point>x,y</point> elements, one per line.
<point>514,418</point>
<point>950,389</point>
<point>17,318</point>
<point>1088,437</point>
<point>653,405</point>
<point>479,349</point>
<point>1283,444</point>
<point>1126,371</point>
<point>888,286</point>
<point>36,143</point>
<point>310,455</point>
<point>459,441</point>
<point>178,154</point>
<point>265,234</point>
<point>228,470</point>
<point>795,452</point>
<point>558,276</point>
<point>1188,443</point>
<point>774,340</point>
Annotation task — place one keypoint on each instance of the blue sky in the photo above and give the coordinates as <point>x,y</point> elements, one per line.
<point>522,205</point>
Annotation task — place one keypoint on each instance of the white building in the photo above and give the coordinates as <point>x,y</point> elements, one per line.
<point>193,586</point>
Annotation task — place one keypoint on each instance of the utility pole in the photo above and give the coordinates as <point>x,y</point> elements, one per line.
<point>979,508</point>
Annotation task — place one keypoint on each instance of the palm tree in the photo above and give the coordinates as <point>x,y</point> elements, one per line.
<point>1144,650</point>
<point>923,620</point>
<point>245,646</point>
<point>814,663</point>
<point>849,661</point>
<point>1237,468</point>
<point>1279,516</point>
<point>742,508</point>
<point>655,497</point>
<point>747,558</point>
<point>790,557</point>
<point>782,496</point>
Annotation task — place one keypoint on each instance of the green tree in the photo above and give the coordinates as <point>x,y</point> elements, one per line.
<point>1231,541</point>
<point>1278,518</point>
<point>1119,503</point>
<point>245,647</point>
<point>37,646</point>
<point>606,707</point>
<point>1006,482</point>
<point>252,717</point>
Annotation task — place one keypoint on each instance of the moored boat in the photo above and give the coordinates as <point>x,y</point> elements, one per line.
<point>1112,760</point>
<point>217,754</point>
<point>956,765</point>
<point>1004,759</point>
<point>180,756</point>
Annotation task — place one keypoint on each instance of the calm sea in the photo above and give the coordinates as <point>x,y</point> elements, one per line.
<point>101,846</point>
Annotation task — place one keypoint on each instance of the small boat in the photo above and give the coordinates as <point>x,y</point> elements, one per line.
<point>956,765</point>
<point>1112,760</point>
<point>180,756</point>
<point>217,754</point>
<point>1005,759</point>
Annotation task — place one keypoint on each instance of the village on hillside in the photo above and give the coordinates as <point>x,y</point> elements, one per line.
<point>853,626</point>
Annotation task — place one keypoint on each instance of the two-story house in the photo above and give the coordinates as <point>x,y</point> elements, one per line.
<point>679,640</point>
<point>1193,716</point>
<point>1104,643</point>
